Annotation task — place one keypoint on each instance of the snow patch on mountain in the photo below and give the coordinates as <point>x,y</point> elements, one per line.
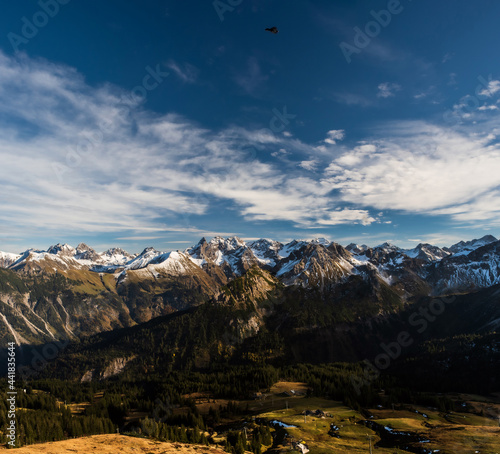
<point>306,262</point>
<point>197,262</point>
<point>233,255</point>
<point>291,247</point>
<point>62,250</point>
<point>7,259</point>
<point>171,262</point>
<point>464,247</point>
<point>67,257</point>
<point>427,252</point>
<point>388,248</point>
<point>479,268</point>
<point>143,259</point>
<point>322,241</point>
<point>266,251</point>
<point>357,249</point>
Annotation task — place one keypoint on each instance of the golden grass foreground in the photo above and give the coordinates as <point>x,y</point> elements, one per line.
<point>115,444</point>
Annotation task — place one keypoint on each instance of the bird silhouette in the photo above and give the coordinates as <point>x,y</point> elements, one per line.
<point>272,30</point>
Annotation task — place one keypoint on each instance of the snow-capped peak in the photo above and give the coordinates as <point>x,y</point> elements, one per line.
<point>266,251</point>
<point>115,251</point>
<point>82,247</point>
<point>7,259</point>
<point>62,249</point>
<point>144,258</point>
<point>357,249</point>
<point>227,243</point>
<point>464,247</point>
<point>264,243</point>
<point>293,246</point>
<point>388,247</point>
<point>322,241</point>
<point>427,252</point>
<point>86,253</point>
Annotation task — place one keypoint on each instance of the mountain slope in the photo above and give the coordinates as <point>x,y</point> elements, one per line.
<point>255,320</point>
<point>467,270</point>
<point>72,292</point>
<point>45,296</point>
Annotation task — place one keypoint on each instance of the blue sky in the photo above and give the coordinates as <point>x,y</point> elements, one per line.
<point>155,123</point>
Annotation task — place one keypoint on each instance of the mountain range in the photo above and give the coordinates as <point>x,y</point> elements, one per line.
<point>72,292</point>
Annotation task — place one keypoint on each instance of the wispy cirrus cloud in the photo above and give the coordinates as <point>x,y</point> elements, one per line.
<point>426,169</point>
<point>143,173</point>
<point>353,99</point>
<point>469,106</point>
<point>139,171</point>
<point>388,90</point>
<point>185,71</point>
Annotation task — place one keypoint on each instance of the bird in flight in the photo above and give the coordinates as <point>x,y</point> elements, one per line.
<point>272,30</point>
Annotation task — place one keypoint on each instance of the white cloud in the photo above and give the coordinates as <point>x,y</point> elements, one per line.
<point>263,136</point>
<point>352,158</point>
<point>448,56</point>
<point>488,107</point>
<point>492,88</point>
<point>184,71</point>
<point>387,90</point>
<point>309,165</point>
<point>430,92</point>
<point>139,238</point>
<point>280,153</point>
<point>82,159</point>
<point>423,169</point>
<point>347,216</point>
<point>353,99</point>
<point>334,135</point>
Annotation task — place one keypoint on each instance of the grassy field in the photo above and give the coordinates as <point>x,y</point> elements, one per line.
<point>314,431</point>
<point>115,444</point>
<point>446,433</point>
<point>473,431</point>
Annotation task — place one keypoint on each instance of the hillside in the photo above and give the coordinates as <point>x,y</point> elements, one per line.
<point>115,444</point>
<point>256,321</point>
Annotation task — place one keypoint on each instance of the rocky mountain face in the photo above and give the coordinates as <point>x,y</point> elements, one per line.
<point>467,270</point>
<point>464,247</point>
<point>67,292</point>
